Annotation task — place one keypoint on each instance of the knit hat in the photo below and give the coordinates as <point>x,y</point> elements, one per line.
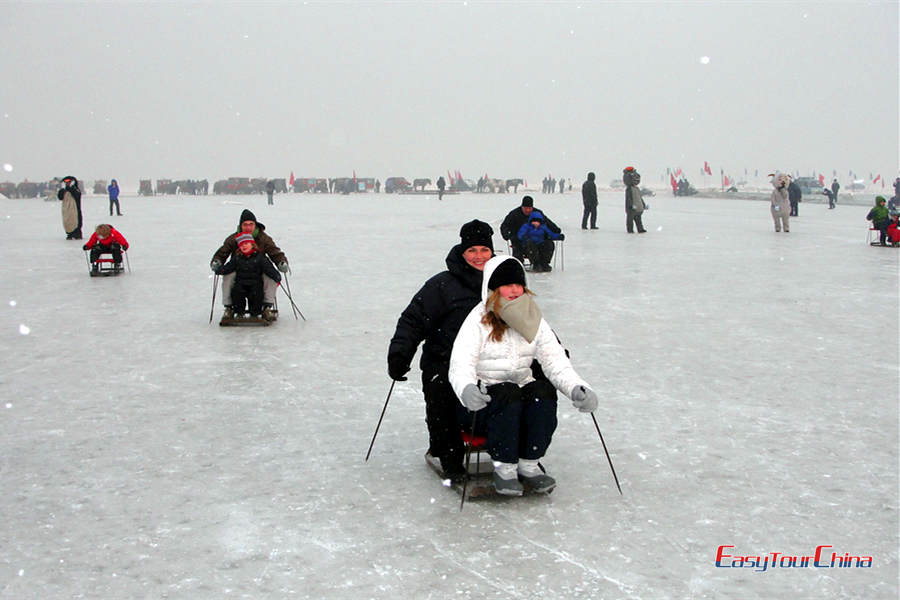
<point>247,216</point>
<point>244,237</point>
<point>507,272</point>
<point>527,201</point>
<point>476,233</point>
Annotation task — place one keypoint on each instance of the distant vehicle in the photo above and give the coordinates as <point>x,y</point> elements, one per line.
<point>146,188</point>
<point>808,185</point>
<point>462,185</point>
<point>647,192</point>
<point>396,184</point>
<point>99,186</point>
<point>858,184</point>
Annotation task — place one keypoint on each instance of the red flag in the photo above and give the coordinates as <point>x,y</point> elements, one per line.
<point>354,176</point>
<point>678,172</point>
<point>727,181</point>
<point>706,168</point>
<point>292,179</point>
<point>672,181</point>
<point>449,176</point>
<point>821,180</point>
<point>874,181</point>
<point>458,175</point>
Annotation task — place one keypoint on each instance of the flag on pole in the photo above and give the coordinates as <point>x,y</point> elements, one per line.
<point>678,172</point>
<point>672,181</point>
<point>874,181</point>
<point>292,179</point>
<point>821,180</point>
<point>706,168</point>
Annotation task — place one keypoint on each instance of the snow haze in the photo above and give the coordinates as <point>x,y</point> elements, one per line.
<point>748,387</point>
<point>211,90</point>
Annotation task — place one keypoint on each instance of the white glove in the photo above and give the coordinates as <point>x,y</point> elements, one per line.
<point>473,398</point>
<point>584,399</point>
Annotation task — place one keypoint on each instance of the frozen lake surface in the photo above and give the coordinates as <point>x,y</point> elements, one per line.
<point>748,384</point>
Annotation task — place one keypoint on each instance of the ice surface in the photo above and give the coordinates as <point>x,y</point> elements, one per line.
<point>748,384</point>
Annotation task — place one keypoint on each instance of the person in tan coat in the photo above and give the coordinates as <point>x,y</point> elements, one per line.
<point>780,202</point>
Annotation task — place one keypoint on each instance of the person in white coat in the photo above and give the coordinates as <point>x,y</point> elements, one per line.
<point>490,372</point>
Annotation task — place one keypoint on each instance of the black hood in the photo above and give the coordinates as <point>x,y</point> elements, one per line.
<point>457,265</point>
<point>246,215</point>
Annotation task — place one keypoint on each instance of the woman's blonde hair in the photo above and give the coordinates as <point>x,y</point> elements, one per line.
<point>492,318</point>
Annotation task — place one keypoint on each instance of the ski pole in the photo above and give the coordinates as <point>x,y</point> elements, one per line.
<point>293,306</point>
<point>287,286</point>
<point>377,427</point>
<point>607,453</point>
<point>213,305</point>
<point>462,500</point>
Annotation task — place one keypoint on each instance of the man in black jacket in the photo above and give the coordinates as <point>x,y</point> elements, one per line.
<point>794,195</point>
<point>589,199</point>
<point>517,217</point>
<point>434,316</point>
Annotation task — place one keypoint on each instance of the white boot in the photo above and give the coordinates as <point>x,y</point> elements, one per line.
<point>531,474</point>
<point>506,480</point>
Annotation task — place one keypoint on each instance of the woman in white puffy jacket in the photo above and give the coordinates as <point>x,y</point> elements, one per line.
<point>490,371</point>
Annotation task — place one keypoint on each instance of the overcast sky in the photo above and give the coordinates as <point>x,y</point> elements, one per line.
<point>178,90</point>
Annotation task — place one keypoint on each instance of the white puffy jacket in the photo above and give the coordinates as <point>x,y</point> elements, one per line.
<point>476,358</point>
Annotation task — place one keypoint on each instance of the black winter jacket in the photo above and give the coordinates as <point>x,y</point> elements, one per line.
<point>589,193</point>
<point>435,315</point>
<point>248,270</point>
<point>513,222</point>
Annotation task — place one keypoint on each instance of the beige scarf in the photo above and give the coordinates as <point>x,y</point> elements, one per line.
<point>522,314</point>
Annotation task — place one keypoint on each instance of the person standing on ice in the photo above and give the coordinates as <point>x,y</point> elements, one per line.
<point>634,203</point>
<point>795,194</point>
<point>491,374</point>
<point>266,245</point>
<point>113,191</point>
<point>589,200</point>
<point>441,184</point>
<point>434,316</point>
<point>270,192</point>
<point>835,187</point>
<point>70,195</point>
<point>780,203</point>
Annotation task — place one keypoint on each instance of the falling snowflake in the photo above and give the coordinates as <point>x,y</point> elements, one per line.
<point>24,329</point>
<point>704,60</point>
<point>7,167</point>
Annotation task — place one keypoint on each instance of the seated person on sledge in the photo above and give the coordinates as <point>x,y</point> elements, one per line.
<point>495,346</point>
<point>248,265</point>
<point>537,241</point>
<point>266,245</point>
<point>880,218</point>
<point>106,240</point>
<point>513,222</point>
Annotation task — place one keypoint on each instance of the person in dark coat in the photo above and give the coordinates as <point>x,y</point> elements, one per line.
<point>70,195</point>
<point>537,240</point>
<point>441,184</point>
<point>113,190</point>
<point>794,195</point>
<point>589,199</point>
<point>434,316</point>
<point>509,228</point>
<point>270,191</point>
<point>248,265</point>
<point>835,186</point>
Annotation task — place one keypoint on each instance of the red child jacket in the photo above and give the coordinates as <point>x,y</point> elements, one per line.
<point>114,236</point>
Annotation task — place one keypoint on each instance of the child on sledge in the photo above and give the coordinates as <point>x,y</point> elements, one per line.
<point>893,231</point>
<point>248,265</point>
<point>490,371</point>
<point>106,240</point>
<point>537,240</point>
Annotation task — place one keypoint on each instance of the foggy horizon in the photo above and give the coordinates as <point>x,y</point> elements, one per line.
<point>149,91</point>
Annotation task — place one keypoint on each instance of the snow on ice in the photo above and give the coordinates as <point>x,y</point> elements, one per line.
<point>748,384</point>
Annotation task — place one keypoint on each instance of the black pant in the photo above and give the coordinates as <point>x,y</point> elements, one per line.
<point>270,194</point>
<point>114,249</point>
<point>540,253</point>
<point>518,249</point>
<point>589,211</point>
<point>794,205</point>
<point>518,422</point>
<point>882,226</point>
<point>116,202</point>
<point>633,218</point>
<point>444,439</point>
<point>251,293</point>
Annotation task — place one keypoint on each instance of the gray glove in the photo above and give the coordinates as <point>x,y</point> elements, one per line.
<point>283,266</point>
<point>584,399</point>
<point>473,398</point>
<point>215,264</point>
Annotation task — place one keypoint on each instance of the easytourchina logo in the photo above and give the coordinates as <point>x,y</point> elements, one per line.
<point>824,557</point>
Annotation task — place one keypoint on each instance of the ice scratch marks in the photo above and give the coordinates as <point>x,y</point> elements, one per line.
<point>493,581</point>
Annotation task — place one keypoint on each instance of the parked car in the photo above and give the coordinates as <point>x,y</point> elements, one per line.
<point>809,185</point>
